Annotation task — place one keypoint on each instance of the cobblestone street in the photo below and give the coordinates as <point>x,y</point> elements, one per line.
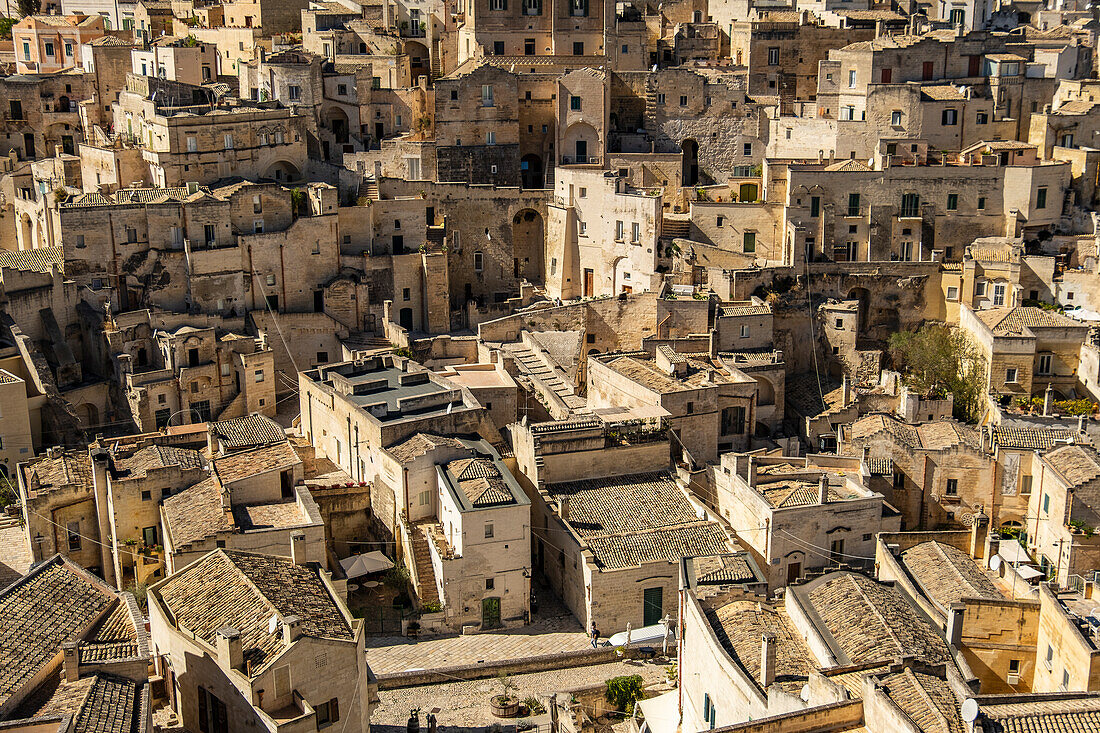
<point>465,705</point>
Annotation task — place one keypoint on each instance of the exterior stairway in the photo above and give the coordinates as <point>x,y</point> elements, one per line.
<point>426,590</point>
<point>532,364</point>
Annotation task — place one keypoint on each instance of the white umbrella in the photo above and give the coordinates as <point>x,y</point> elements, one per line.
<point>365,564</point>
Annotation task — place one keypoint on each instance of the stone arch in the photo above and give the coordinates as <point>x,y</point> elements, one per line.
<point>420,61</point>
<point>336,120</point>
<point>88,415</point>
<point>582,143</point>
<point>690,152</point>
<point>528,245</point>
<point>283,171</point>
<point>765,392</point>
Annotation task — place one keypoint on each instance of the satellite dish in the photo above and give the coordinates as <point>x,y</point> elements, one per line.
<point>805,694</point>
<point>272,624</point>
<point>970,710</point>
<point>995,562</point>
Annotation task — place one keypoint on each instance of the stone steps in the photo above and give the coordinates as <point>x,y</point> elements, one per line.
<point>425,573</point>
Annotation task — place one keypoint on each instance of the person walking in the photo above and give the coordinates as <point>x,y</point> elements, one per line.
<point>595,635</point>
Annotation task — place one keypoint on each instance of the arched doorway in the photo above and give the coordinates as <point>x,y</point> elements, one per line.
<point>283,171</point>
<point>582,144</point>
<point>527,245</point>
<point>337,121</point>
<point>690,173</point>
<point>420,62</point>
<point>530,167</point>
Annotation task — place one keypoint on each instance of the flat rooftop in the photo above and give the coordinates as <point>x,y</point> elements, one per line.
<point>386,388</point>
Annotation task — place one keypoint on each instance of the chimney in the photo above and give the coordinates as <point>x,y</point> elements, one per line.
<point>955,623</point>
<point>823,489</point>
<point>767,660</point>
<point>298,548</point>
<point>1081,424</point>
<point>292,629</point>
<point>230,648</point>
<point>752,471</point>
<point>845,391</point>
<point>227,501</point>
<point>1048,400</point>
<point>978,531</point>
<point>563,508</point>
<point>71,662</point>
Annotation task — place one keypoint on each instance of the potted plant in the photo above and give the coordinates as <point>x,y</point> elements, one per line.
<point>506,704</point>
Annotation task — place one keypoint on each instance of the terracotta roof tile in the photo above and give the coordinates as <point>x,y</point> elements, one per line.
<point>926,699</point>
<point>1010,321</point>
<point>33,260</point>
<point>247,432</point>
<point>255,461</point>
<point>740,626</point>
<point>946,574</point>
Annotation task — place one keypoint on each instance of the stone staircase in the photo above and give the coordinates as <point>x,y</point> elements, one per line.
<point>530,363</point>
<point>426,590</point>
<point>369,189</point>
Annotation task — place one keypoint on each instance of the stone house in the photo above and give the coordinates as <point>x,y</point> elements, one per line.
<point>187,137</point>
<point>76,650</point>
<point>601,235</point>
<point>40,112</point>
<point>610,544</point>
<point>252,500</point>
<point>940,473</point>
<point>351,410</point>
<point>49,43</point>
<point>174,59</point>
<point>1062,514</point>
<point>577,28</point>
<point>280,651</point>
<point>18,436</point>
<point>477,126</point>
<point>1026,349</point>
<point>710,403</point>
<point>463,525</point>
<point>796,515</point>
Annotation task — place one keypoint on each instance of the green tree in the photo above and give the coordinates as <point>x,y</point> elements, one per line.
<point>28,7</point>
<point>940,360</point>
<point>5,26</point>
<point>624,691</point>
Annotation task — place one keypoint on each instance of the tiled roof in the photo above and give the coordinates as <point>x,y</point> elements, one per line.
<point>240,590</point>
<point>255,461</point>
<point>1031,438</point>
<point>645,372</point>
<point>724,569</point>
<point>787,494</point>
<point>135,196</point>
<point>628,520</point>
<point>419,444</point>
<point>247,432</point>
<point>870,621</point>
<point>109,41</point>
<point>992,253</point>
<point>939,435</point>
<point>52,604</point>
<point>47,474</point>
<point>743,309</point>
<point>946,574</point>
<point>740,626</point>
<point>880,466</point>
<point>7,377</point>
<point>1076,464</point>
<point>99,703</point>
<point>942,92</point>
<point>1075,715</point>
<point>196,513</point>
<point>848,166</point>
<point>159,456</point>
<point>481,481</point>
<point>33,260</point>
<point>1013,320</point>
<point>926,699</point>
<point>804,393</point>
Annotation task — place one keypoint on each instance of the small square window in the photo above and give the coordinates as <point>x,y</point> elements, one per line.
<point>490,583</point>
<point>489,531</point>
<point>147,495</point>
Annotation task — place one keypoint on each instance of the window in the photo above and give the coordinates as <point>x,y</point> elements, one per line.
<point>131,235</point>
<point>1044,363</point>
<point>479,261</point>
<point>578,48</point>
<point>271,280</point>
<point>840,324</point>
<point>618,231</point>
<point>532,7</point>
<point>498,4</point>
<point>1010,375</point>
<point>635,232</point>
<point>848,112</point>
<point>491,139</point>
<point>747,148</point>
<point>815,206</point>
<point>73,530</point>
<point>1067,140</point>
<point>258,226</point>
<point>720,221</point>
<point>981,118</point>
<point>68,48</point>
<point>853,204</point>
<point>952,487</point>
<point>49,48</point>
<point>406,294</point>
<point>773,56</point>
<point>489,530</point>
<point>851,78</point>
<point>1025,485</point>
<point>745,331</point>
<point>660,98</point>
<point>578,8</point>
<point>80,241</point>
<point>342,89</point>
<point>1041,198</point>
<point>981,203</point>
<point>690,407</point>
<point>910,205</point>
<point>575,103</point>
<point>979,288</point>
<point>886,76</point>
<point>229,141</point>
<point>486,95</point>
<point>952,292</point>
<point>149,536</point>
<point>583,192</point>
<point>208,234</point>
<point>952,202</point>
<point>836,551</point>
<point>327,713</point>
<point>949,116</point>
<point>998,294</point>
<point>749,243</point>
<point>26,51</point>
<point>1065,679</point>
<point>958,16</point>
<point>1050,655</point>
<point>294,92</point>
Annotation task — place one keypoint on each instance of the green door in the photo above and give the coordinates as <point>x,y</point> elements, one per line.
<point>490,613</point>
<point>652,606</point>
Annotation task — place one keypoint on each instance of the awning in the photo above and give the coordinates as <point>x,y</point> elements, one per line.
<point>662,713</point>
<point>642,635</point>
<point>365,564</point>
<point>1012,552</point>
<point>1026,572</point>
